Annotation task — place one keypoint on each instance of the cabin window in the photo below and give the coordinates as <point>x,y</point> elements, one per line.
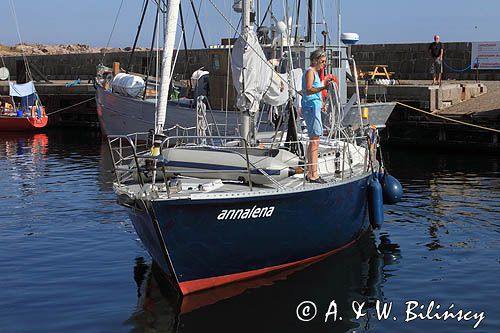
<point>215,61</point>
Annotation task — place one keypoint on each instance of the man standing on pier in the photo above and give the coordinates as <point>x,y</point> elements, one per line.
<point>436,50</point>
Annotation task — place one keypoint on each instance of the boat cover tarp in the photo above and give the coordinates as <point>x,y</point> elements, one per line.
<point>197,74</point>
<point>254,78</point>
<point>128,85</point>
<point>21,89</point>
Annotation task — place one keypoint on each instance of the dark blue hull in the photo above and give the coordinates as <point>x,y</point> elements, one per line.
<point>210,242</point>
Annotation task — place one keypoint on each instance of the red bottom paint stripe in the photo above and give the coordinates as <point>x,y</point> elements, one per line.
<point>189,287</point>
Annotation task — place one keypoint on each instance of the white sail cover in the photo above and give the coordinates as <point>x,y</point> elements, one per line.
<point>253,77</point>
<point>277,93</point>
<point>128,85</point>
<point>21,89</point>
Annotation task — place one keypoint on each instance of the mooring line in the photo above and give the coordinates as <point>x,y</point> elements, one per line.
<point>449,119</point>
<point>69,107</point>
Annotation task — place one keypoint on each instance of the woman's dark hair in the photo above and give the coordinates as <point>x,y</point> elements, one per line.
<point>317,54</point>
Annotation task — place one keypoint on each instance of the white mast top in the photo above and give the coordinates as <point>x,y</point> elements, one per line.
<point>166,63</point>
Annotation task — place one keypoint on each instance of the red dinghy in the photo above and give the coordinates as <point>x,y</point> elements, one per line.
<point>22,110</point>
<point>12,122</point>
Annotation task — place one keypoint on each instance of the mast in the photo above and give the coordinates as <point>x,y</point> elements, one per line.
<point>339,31</point>
<point>309,20</point>
<point>166,63</point>
<point>245,15</point>
<point>258,12</point>
<point>245,115</point>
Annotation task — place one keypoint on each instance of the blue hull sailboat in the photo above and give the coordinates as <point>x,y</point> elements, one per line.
<point>215,239</point>
<point>213,210</point>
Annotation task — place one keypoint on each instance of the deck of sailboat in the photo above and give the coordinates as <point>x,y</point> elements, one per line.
<point>205,188</point>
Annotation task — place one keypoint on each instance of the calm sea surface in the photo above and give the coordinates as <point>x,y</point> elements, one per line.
<point>71,261</point>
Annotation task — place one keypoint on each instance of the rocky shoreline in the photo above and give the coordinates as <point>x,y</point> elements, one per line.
<point>42,49</point>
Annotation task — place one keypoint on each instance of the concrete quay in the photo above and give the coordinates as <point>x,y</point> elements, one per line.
<point>459,97</point>
<point>421,94</point>
<point>407,127</point>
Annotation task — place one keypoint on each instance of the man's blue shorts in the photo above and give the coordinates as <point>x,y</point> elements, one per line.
<point>312,116</point>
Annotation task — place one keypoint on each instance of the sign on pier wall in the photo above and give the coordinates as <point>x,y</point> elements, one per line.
<point>485,55</point>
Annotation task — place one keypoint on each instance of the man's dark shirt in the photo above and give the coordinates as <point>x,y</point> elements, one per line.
<point>435,49</point>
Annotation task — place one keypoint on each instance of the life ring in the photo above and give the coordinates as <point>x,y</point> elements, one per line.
<point>324,93</point>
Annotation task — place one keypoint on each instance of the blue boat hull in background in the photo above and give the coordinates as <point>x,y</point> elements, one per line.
<point>208,242</point>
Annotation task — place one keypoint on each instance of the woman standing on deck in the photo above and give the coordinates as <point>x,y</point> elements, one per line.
<point>312,104</point>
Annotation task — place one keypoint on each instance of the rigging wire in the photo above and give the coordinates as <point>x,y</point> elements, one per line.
<point>157,71</point>
<point>265,14</point>
<point>151,51</point>
<point>186,52</point>
<point>325,24</point>
<point>164,11</point>
<point>112,30</point>
<point>251,47</point>
<point>199,27</point>
<point>315,20</point>
<point>198,21</point>
<point>144,9</point>
<point>26,66</point>
<point>297,21</point>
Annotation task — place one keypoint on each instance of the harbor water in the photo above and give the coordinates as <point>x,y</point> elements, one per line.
<point>71,261</point>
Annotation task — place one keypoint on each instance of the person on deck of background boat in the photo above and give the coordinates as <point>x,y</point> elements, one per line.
<point>312,105</point>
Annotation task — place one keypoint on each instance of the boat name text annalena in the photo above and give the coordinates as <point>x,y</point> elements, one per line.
<point>242,214</point>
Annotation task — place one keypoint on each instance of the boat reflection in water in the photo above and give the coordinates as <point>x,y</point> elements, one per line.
<point>24,144</point>
<point>354,274</point>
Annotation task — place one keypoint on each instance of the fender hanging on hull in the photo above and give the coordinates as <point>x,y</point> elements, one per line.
<point>375,203</point>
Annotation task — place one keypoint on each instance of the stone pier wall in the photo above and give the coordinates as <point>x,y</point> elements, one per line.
<point>412,61</point>
<point>408,61</point>
<point>72,66</point>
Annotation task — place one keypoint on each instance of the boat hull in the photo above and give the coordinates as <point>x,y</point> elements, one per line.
<point>22,123</point>
<point>121,115</point>
<point>205,243</point>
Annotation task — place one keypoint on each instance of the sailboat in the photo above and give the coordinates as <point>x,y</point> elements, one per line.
<point>22,110</point>
<point>127,102</point>
<point>29,116</point>
<point>212,210</point>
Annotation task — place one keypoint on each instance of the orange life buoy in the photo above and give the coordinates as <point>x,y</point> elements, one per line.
<point>324,93</point>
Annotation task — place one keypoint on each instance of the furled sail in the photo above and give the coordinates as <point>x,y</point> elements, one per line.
<point>254,78</point>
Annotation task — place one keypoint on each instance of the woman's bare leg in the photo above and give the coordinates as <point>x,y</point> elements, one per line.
<point>312,157</point>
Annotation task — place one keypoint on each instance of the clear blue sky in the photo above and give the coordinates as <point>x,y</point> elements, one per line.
<point>382,21</point>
